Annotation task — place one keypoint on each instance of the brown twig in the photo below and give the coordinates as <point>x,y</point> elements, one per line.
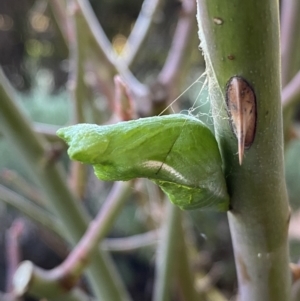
<point>291,92</point>
<point>13,256</point>
<point>186,26</point>
<point>78,91</point>
<point>110,65</point>
<point>48,131</point>
<point>59,12</point>
<point>123,103</point>
<point>290,30</point>
<point>140,30</point>
<point>295,270</point>
<point>8,297</point>
<point>63,278</point>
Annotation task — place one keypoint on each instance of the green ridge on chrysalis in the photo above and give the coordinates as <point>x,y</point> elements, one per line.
<point>178,152</point>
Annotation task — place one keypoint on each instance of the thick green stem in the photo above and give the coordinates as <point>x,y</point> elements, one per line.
<point>241,38</point>
<point>50,176</point>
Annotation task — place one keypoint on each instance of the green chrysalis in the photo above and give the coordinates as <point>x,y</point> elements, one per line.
<point>177,152</point>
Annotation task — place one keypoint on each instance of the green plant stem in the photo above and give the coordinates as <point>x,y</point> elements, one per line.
<point>31,210</point>
<point>78,92</point>
<point>43,285</point>
<point>165,257</point>
<point>50,176</point>
<point>51,282</point>
<point>58,13</point>
<point>75,295</point>
<point>242,38</point>
<point>18,184</point>
<point>48,131</point>
<point>184,273</point>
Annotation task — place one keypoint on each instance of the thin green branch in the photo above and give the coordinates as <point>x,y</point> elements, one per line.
<point>33,211</point>
<point>44,284</point>
<point>52,282</point>
<point>184,272</point>
<point>21,186</point>
<point>165,256</point>
<point>78,91</point>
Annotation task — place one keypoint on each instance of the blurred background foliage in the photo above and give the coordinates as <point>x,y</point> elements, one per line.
<point>35,58</point>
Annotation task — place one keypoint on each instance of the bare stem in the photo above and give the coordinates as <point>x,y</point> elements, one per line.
<point>296,291</point>
<point>291,92</point>
<point>140,30</point>
<point>181,39</point>
<point>65,276</point>
<point>13,256</point>
<point>165,256</point>
<point>50,176</point>
<point>31,210</point>
<point>19,184</point>
<point>103,50</point>
<point>123,103</point>
<point>43,283</point>
<point>78,91</point>
<point>48,131</point>
<point>184,274</point>
<point>131,243</point>
<point>290,39</point>
<point>59,13</point>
